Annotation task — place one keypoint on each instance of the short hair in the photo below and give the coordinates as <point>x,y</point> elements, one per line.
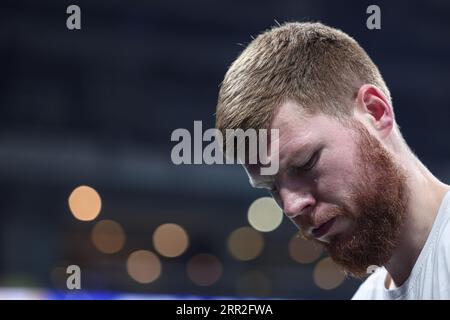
<point>319,67</point>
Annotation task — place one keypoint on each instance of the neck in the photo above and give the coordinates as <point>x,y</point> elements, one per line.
<point>425,196</point>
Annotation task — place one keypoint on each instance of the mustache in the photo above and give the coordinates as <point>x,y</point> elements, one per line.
<point>308,222</point>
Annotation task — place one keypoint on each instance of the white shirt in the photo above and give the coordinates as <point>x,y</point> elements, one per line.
<point>430,276</point>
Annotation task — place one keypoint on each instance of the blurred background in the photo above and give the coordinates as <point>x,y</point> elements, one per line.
<point>86,117</point>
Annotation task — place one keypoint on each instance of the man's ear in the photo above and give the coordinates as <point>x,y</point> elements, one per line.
<point>375,109</point>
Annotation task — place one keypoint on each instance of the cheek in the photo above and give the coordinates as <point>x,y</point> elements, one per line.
<point>336,178</point>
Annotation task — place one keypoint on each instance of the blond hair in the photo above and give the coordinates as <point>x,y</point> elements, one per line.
<point>319,67</point>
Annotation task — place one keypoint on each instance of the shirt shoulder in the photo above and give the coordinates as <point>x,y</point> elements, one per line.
<point>370,288</point>
<point>443,242</point>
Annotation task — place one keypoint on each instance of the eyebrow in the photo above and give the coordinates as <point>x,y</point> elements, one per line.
<point>268,181</point>
<point>300,152</point>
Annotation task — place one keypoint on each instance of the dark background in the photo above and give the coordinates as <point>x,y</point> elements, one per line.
<point>97,107</point>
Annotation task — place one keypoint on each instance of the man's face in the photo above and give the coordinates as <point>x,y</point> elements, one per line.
<point>339,185</point>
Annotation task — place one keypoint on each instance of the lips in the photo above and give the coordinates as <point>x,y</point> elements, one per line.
<point>323,229</point>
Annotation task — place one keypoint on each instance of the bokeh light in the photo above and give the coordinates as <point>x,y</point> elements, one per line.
<point>170,240</point>
<point>303,251</point>
<point>245,243</point>
<point>204,269</point>
<point>253,284</point>
<point>108,236</point>
<point>264,214</point>
<point>85,203</point>
<point>327,274</point>
<point>144,266</point>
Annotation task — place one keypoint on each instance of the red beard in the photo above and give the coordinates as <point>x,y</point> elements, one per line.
<point>379,202</point>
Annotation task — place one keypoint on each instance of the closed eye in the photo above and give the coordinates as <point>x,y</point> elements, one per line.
<point>309,165</point>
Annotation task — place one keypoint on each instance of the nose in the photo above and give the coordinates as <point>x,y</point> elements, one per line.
<point>296,203</point>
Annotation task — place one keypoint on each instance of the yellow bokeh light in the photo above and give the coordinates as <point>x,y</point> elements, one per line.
<point>264,214</point>
<point>327,274</point>
<point>108,236</point>
<point>170,240</point>
<point>85,203</point>
<point>204,269</point>
<point>253,284</point>
<point>245,243</point>
<point>144,266</point>
<point>304,251</point>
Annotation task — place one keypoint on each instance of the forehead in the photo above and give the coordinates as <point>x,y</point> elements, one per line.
<point>297,127</point>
